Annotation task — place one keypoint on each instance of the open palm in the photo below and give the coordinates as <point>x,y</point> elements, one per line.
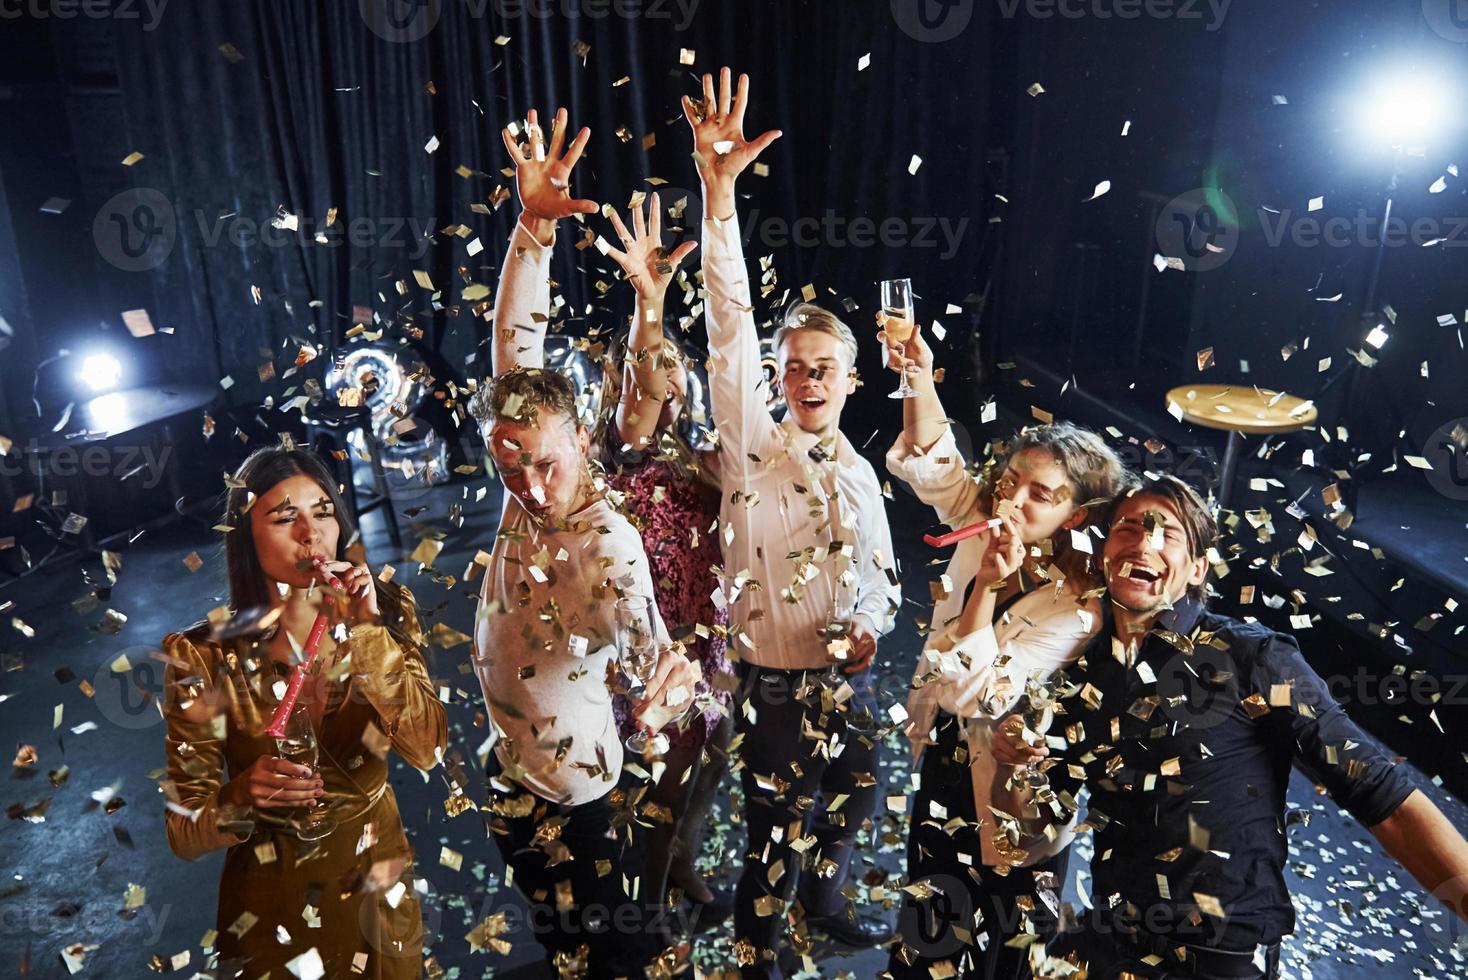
<point>648,267</point>
<point>720,149</point>
<point>543,176</point>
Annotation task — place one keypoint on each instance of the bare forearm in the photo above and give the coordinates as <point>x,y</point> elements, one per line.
<point>718,198</point>
<point>1430,848</point>
<point>978,612</point>
<point>645,377</point>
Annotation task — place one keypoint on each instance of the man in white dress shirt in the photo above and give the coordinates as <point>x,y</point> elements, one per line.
<point>806,545</point>
<point>562,803</point>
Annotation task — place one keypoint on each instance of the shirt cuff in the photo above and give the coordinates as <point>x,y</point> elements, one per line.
<point>534,249</point>
<point>909,463</point>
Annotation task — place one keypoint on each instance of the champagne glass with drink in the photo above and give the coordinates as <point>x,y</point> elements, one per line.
<point>897,321</point>
<point>637,653</point>
<point>298,744</point>
<point>1038,714</point>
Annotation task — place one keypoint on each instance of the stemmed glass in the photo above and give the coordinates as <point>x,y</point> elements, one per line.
<point>838,626</point>
<point>637,653</point>
<point>1038,714</point>
<point>299,745</point>
<point>898,322</point>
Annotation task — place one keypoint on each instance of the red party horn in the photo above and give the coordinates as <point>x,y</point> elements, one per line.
<point>953,537</point>
<point>276,728</point>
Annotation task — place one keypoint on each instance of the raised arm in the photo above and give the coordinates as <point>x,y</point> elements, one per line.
<point>522,297</point>
<point>926,454</point>
<point>649,268</point>
<point>736,382</point>
<point>923,420</point>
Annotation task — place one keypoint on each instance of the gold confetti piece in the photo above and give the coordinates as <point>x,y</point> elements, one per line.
<point>193,561</point>
<point>131,158</point>
<point>450,858</point>
<point>1036,90</point>
<point>502,40</point>
<point>686,56</point>
<point>914,163</point>
<point>138,323</point>
<point>231,53</point>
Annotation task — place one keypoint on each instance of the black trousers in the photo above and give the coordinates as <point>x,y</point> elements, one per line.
<point>1108,954</point>
<point>791,777</point>
<point>932,928</point>
<point>578,910</point>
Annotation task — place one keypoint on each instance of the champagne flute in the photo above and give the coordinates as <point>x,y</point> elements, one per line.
<point>838,625</point>
<point>637,653</point>
<point>898,322</point>
<point>1038,714</point>
<point>299,745</point>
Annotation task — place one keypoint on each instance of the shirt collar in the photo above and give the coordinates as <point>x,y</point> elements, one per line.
<point>1181,618</point>
<point>803,444</point>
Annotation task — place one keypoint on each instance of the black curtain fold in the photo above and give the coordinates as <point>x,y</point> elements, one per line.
<point>316,111</point>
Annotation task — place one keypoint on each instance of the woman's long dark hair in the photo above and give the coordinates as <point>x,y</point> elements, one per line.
<point>262,470</point>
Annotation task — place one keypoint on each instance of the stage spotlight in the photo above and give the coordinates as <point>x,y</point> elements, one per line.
<point>1406,108</point>
<point>100,372</point>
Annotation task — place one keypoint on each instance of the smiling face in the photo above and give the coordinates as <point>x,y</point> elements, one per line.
<point>542,465</point>
<point>815,379</point>
<point>292,522</point>
<point>1149,565</point>
<point>1043,498</point>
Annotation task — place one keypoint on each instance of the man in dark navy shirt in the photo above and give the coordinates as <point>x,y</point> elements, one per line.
<point>1184,725</point>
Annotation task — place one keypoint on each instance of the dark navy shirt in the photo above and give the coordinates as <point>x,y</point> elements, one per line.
<point>1187,754</point>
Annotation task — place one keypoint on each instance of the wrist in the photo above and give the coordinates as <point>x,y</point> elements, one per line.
<point>541,228</point>
<point>718,199</point>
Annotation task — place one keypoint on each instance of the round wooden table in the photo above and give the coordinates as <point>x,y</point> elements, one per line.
<point>1240,409</point>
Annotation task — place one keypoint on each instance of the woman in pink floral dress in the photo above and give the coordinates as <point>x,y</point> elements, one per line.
<point>670,491</point>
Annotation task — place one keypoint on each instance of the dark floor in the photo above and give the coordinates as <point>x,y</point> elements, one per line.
<point>79,847</point>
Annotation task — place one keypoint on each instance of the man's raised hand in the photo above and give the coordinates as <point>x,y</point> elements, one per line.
<point>719,147</point>
<point>543,176</point>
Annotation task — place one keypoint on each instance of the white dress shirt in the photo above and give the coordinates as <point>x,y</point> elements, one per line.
<point>781,509</point>
<point>545,630</point>
<point>982,676</point>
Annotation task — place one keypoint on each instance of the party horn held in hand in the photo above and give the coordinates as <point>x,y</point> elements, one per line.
<point>953,537</point>
<point>276,728</point>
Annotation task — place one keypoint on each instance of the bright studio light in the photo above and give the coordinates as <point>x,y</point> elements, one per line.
<point>1405,108</point>
<point>100,371</point>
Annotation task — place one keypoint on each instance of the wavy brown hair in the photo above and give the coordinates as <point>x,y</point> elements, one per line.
<point>1093,469</point>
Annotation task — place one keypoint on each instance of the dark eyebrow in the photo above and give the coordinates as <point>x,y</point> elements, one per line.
<point>288,505</point>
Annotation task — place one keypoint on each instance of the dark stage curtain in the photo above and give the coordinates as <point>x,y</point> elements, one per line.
<point>308,109</point>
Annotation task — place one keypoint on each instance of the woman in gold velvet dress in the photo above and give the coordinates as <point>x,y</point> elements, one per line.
<point>343,905</point>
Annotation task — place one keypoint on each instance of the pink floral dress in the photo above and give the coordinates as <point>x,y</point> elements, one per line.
<point>674,513</point>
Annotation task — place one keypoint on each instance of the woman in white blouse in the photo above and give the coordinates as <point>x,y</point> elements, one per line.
<point>1015,605</point>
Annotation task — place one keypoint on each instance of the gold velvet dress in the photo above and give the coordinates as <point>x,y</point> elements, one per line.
<point>349,897</point>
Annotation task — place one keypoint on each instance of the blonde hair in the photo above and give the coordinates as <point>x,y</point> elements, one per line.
<point>809,316</point>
